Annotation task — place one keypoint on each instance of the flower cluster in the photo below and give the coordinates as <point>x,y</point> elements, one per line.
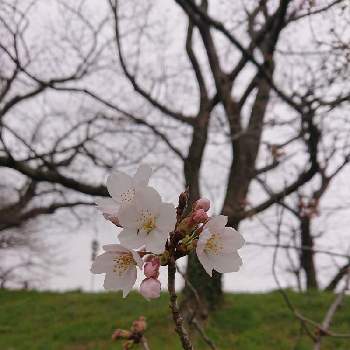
<point>154,232</point>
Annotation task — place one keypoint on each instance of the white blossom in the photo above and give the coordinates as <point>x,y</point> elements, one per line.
<point>119,265</point>
<point>122,187</point>
<point>147,222</point>
<point>217,246</point>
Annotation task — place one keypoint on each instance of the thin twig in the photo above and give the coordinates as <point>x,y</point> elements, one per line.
<point>304,321</point>
<point>178,320</point>
<point>190,285</point>
<point>302,248</point>
<point>144,343</point>
<point>324,330</point>
<point>203,334</point>
<point>193,319</point>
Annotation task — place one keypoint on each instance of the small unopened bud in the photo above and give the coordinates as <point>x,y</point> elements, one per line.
<point>139,326</point>
<point>151,267</point>
<point>150,288</point>
<point>202,203</point>
<point>199,216</point>
<point>183,199</point>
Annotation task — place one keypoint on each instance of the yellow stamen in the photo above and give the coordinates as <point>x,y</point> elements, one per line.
<point>213,244</point>
<point>122,263</point>
<point>149,224</point>
<point>147,221</point>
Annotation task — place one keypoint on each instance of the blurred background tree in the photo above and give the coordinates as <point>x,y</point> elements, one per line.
<point>244,102</point>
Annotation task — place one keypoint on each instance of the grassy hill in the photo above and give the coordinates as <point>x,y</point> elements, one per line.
<point>79,321</point>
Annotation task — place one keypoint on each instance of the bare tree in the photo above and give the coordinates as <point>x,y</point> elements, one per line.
<point>225,86</point>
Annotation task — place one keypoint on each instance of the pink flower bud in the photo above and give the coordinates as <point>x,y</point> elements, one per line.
<point>199,216</point>
<point>202,203</point>
<point>150,288</point>
<point>151,267</point>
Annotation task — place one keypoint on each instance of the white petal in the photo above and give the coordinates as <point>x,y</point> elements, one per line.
<point>203,237</point>
<point>107,205</point>
<point>231,239</point>
<point>115,248</point>
<point>142,175</point>
<point>167,217</point>
<point>137,258</point>
<point>113,281</point>
<point>118,183</point>
<point>226,263</point>
<point>130,238</point>
<point>129,279</point>
<point>216,224</point>
<point>206,263</point>
<point>128,216</point>
<point>155,241</point>
<point>148,199</point>
<point>103,263</point>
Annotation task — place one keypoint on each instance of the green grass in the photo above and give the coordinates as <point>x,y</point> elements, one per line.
<point>79,321</point>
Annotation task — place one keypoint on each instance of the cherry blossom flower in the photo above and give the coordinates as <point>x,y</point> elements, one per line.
<point>147,222</point>
<point>122,188</point>
<point>217,246</point>
<point>150,288</point>
<point>119,265</point>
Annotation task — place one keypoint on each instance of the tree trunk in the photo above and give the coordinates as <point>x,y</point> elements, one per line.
<point>209,289</point>
<point>307,255</point>
<point>211,295</point>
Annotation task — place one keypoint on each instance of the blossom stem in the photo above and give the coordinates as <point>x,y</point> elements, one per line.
<point>178,320</point>
<point>144,343</point>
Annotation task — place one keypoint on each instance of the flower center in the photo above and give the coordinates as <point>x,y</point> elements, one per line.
<point>146,221</point>
<point>213,244</point>
<point>149,224</point>
<point>122,263</point>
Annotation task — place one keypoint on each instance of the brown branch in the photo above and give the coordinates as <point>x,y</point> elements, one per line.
<point>52,176</point>
<point>324,329</point>
<point>338,277</point>
<point>193,319</point>
<point>307,248</point>
<point>198,15</point>
<point>305,322</point>
<point>164,109</point>
<point>136,120</point>
<point>144,343</point>
<point>178,320</point>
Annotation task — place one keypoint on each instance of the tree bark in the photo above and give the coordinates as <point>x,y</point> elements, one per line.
<point>209,288</point>
<point>307,255</point>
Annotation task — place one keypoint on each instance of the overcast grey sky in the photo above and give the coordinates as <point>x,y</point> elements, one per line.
<point>74,247</point>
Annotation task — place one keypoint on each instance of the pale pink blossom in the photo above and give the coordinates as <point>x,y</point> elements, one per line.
<point>199,216</point>
<point>147,222</point>
<point>119,265</point>
<point>217,246</point>
<point>151,267</point>
<point>202,203</point>
<point>122,187</point>
<point>150,288</point>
